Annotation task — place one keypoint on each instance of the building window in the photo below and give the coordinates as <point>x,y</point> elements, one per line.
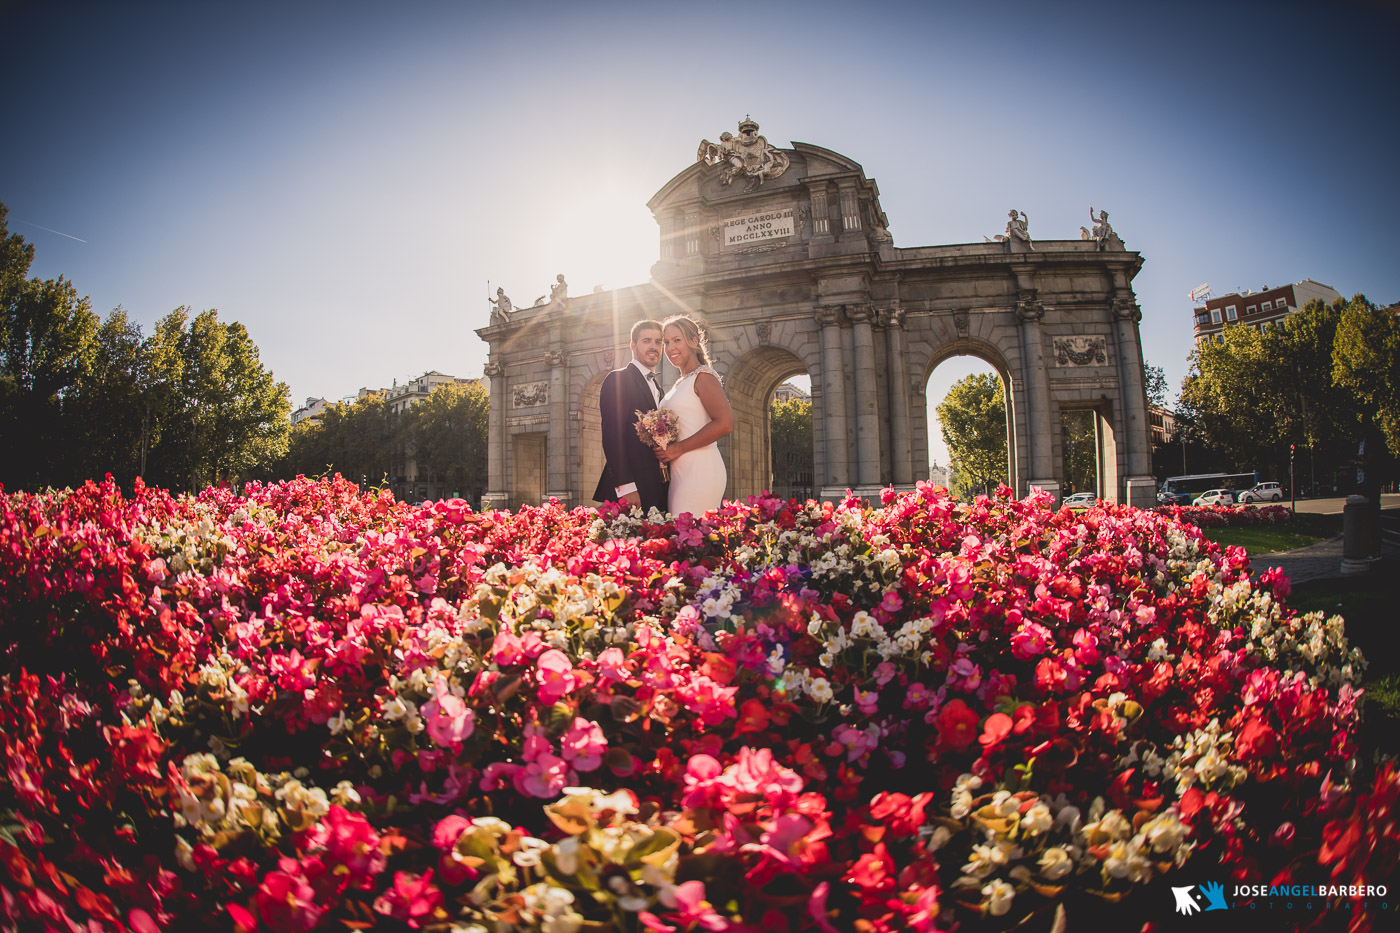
<point>1266,306</point>
<point>1230,312</point>
<point>1202,318</point>
<point>1250,310</point>
<point>1215,315</point>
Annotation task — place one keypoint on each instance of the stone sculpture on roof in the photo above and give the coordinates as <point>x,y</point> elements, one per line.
<point>500,307</point>
<point>748,155</point>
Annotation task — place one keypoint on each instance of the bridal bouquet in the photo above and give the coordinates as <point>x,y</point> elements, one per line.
<point>659,428</point>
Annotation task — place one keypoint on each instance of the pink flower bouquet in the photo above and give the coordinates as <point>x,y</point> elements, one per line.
<point>658,429</point>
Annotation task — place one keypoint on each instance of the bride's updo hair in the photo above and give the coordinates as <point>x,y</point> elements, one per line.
<point>692,331</point>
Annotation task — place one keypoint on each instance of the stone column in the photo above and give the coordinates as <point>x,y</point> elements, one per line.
<point>867,411</point>
<point>833,385</point>
<point>1037,396</point>
<point>901,449</point>
<point>850,209</point>
<point>1140,487</point>
<point>557,480</point>
<point>497,494</point>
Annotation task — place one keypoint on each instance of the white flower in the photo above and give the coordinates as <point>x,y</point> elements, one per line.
<point>396,708</point>
<point>820,690</point>
<point>1037,820</point>
<point>998,896</point>
<point>1164,833</point>
<point>1055,863</point>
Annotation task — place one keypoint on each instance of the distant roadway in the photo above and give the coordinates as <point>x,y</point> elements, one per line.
<point>1333,506</point>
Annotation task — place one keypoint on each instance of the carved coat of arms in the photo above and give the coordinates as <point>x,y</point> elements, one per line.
<point>1080,351</point>
<point>747,155</point>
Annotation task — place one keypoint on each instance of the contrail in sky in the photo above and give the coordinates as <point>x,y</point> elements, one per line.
<point>51,230</point>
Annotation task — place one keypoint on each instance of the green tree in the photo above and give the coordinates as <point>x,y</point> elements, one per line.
<point>973,419</point>
<point>791,442</point>
<point>1079,445</point>
<point>103,412</point>
<point>446,434</point>
<point>215,410</point>
<point>1366,360</point>
<point>46,343</point>
<point>356,439</point>
<point>1156,385</point>
<point>1257,393</point>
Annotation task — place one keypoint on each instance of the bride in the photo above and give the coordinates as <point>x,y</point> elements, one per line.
<point>697,470</point>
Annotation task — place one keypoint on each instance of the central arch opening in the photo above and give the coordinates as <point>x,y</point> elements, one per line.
<point>971,445</point>
<point>771,447</point>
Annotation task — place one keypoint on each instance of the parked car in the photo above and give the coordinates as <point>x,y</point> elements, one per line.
<point>1081,500</point>
<point>1264,492</point>
<point>1215,497</point>
<point>1174,498</point>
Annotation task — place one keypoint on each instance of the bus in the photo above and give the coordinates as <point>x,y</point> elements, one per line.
<point>1175,487</point>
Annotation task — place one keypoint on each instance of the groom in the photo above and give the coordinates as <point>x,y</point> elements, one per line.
<point>632,473</point>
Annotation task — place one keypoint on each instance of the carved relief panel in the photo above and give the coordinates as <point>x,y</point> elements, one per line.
<point>1081,351</point>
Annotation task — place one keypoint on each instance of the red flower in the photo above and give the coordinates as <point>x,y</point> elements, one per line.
<point>1256,740</point>
<point>957,724</point>
<point>997,728</point>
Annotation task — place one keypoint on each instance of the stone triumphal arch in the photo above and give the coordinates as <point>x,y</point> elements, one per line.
<point>784,257</point>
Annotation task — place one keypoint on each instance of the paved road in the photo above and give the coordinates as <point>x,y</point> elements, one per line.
<point>1324,559</point>
<point>1334,505</point>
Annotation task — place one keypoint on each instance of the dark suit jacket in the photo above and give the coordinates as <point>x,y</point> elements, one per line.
<point>625,392</point>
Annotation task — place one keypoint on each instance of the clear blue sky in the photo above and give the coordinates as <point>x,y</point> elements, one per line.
<point>345,177</point>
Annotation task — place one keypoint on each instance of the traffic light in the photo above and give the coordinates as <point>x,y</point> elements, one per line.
<point>1291,449</point>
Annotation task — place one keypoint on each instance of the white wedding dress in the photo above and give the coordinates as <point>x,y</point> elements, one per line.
<point>698,477</point>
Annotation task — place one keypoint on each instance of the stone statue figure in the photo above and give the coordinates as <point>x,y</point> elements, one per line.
<point>1017,236</point>
<point>500,307</point>
<point>747,155</point>
<point>559,292</point>
<point>1102,234</point>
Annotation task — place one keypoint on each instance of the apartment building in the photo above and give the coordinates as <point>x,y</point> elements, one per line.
<point>1267,307</point>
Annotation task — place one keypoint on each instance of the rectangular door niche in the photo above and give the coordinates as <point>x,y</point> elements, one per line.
<point>530,469</point>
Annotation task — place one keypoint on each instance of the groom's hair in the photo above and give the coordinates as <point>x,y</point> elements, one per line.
<point>644,324</point>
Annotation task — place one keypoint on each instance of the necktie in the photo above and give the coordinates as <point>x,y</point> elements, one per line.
<point>655,384</point>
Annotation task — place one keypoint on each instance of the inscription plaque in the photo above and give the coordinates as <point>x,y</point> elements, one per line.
<point>754,228</point>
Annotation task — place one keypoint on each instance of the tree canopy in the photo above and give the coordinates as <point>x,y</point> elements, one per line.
<point>81,397</point>
<point>973,420</point>
<point>793,460</point>
<point>444,437</point>
<point>1319,383</point>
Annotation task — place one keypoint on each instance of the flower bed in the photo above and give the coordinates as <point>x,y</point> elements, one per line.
<point>1217,516</point>
<point>316,707</point>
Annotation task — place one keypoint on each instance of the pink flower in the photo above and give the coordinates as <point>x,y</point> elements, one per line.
<point>544,775</point>
<point>448,830</point>
<point>496,775</point>
<point>506,650</point>
<point>703,787</point>
<point>287,902</point>
<point>612,665</point>
<point>1030,640</point>
<point>556,676</point>
<point>691,908</point>
<point>708,700</point>
<point>583,745</point>
<point>350,842</point>
<point>413,898</point>
<point>448,720</point>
